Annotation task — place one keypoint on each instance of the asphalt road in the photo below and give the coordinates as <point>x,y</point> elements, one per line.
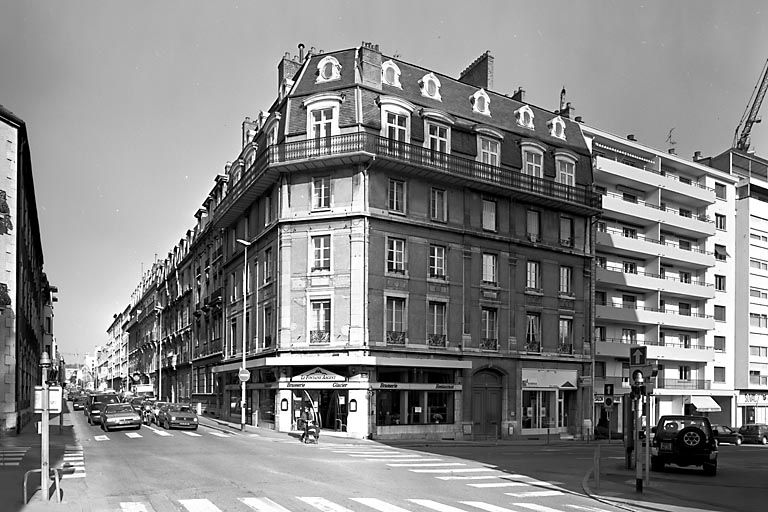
<point>213,471</point>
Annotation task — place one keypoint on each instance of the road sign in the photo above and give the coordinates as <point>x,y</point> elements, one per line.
<point>638,356</point>
<point>244,375</point>
<point>608,389</point>
<point>54,399</point>
<point>608,401</point>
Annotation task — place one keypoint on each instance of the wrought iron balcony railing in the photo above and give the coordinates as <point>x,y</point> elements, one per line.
<point>319,336</point>
<point>395,338</point>
<point>436,340</point>
<point>684,384</point>
<point>489,344</point>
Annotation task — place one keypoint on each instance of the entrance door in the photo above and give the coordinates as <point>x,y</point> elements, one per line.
<point>486,404</point>
<point>329,407</point>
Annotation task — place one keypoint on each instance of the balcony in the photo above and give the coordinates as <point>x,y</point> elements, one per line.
<point>437,340</point>
<point>644,213</point>
<point>616,275</point>
<point>319,337</point>
<point>683,384</point>
<point>664,350</point>
<point>632,314</point>
<point>356,147</point>
<point>631,244</point>
<point>395,338</point>
<point>208,349</point>
<point>489,344</point>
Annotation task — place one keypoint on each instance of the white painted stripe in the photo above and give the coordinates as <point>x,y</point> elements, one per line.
<point>471,477</point>
<point>533,494</point>
<point>132,506</point>
<point>376,504</point>
<point>419,465</point>
<point>72,464</point>
<point>536,507</point>
<point>434,505</point>
<point>501,484</point>
<point>13,450</point>
<point>219,434</point>
<point>10,463</point>
<point>486,506</point>
<point>159,432</point>
<point>398,459</point>
<point>73,457</point>
<point>323,504</point>
<point>384,455</point>
<point>74,475</point>
<point>133,435</point>
<point>368,452</point>
<point>263,505</point>
<point>192,434</point>
<point>101,438</point>
<point>199,505</point>
<point>449,470</point>
<point>588,509</point>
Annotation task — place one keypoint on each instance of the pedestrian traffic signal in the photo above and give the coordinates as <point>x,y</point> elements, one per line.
<point>608,401</point>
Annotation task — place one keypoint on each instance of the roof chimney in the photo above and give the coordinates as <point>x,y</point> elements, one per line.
<point>480,72</point>
<point>672,151</point>
<point>301,52</point>
<point>566,111</point>
<point>696,156</point>
<point>286,71</point>
<point>370,64</point>
<point>519,95</point>
<point>578,119</point>
<point>631,137</point>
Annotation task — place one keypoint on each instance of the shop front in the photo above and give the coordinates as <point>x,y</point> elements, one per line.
<point>549,401</point>
<point>752,407</point>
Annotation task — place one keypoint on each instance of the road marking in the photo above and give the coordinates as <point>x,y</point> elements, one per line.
<point>323,504</point>
<point>132,506</point>
<point>133,435</point>
<point>393,454</point>
<point>376,504</point>
<point>101,438</point>
<point>588,509</point>
<point>471,477</point>
<point>263,505</point>
<point>400,459</point>
<point>199,505</point>
<point>501,484</point>
<point>533,494</point>
<point>192,434</point>
<point>219,434</point>
<point>367,452</point>
<point>434,505</point>
<point>420,465</point>
<point>159,432</point>
<point>12,455</point>
<point>450,470</point>
<point>486,506</point>
<point>536,507</point>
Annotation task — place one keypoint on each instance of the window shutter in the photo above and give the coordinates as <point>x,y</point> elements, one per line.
<point>548,164</point>
<point>511,156</point>
<point>417,129</point>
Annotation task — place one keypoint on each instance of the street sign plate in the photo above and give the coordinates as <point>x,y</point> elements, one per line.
<point>244,375</point>
<point>54,399</point>
<point>638,356</point>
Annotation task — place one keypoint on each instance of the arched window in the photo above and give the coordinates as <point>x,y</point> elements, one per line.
<point>390,74</point>
<point>430,87</point>
<point>481,103</point>
<point>328,69</point>
<point>557,128</point>
<point>524,117</point>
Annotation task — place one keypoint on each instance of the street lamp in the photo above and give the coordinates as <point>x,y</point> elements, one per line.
<point>159,355</point>
<point>245,244</point>
<point>45,363</point>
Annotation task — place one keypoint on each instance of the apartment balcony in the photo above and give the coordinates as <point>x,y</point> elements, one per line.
<point>665,351</point>
<point>615,241</point>
<point>616,276</point>
<point>682,222</point>
<point>611,171</point>
<point>683,384</point>
<point>678,220</point>
<point>437,340</point>
<point>631,314</point>
<point>208,349</point>
<point>351,148</point>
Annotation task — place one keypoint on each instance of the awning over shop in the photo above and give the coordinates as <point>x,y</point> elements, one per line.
<point>704,403</point>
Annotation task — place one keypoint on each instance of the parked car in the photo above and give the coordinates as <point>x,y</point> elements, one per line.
<point>156,406</point>
<point>177,415</point>
<point>754,433</point>
<point>724,434</point>
<point>80,401</point>
<point>119,415</point>
<point>95,403</point>
<point>684,441</point>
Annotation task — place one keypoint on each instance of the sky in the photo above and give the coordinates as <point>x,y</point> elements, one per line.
<point>132,108</point>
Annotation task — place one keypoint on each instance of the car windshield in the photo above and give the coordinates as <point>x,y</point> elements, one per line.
<point>179,408</point>
<point>119,408</point>
<point>675,424</point>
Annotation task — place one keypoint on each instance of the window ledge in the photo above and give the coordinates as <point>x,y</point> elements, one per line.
<point>401,275</point>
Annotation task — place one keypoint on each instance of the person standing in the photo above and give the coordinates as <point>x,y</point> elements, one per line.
<point>304,418</point>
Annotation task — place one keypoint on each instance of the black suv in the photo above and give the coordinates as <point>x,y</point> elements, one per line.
<point>684,441</point>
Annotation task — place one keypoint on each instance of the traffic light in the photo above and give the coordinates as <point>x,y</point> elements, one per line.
<point>638,384</point>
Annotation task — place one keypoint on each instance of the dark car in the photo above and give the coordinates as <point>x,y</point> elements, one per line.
<point>95,403</point>
<point>119,415</point>
<point>177,415</point>
<point>80,402</point>
<point>754,433</point>
<point>724,434</point>
<point>684,441</point>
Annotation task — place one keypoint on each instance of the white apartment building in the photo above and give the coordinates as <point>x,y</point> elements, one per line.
<point>665,258</point>
<point>751,323</point>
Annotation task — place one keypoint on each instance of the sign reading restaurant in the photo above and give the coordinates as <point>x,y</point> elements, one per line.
<point>317,375</point>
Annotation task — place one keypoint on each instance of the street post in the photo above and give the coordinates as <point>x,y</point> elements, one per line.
<point>45,476</point>
<point>246,244</point>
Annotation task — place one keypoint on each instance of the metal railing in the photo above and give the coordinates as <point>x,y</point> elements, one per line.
<point>617,231</point>
<point>657,310</point>
<point>207,349</point>
<point>679,211</point>
<point>684,384</point>
<point>620,269</point>
<point>657,343</point>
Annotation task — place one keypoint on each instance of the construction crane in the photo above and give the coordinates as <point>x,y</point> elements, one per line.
<point>741,139</point>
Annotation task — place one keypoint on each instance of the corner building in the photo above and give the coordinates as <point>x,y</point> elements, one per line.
<point>419,256</point>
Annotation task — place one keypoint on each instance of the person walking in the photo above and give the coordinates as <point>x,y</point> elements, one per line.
<point>305,418</point>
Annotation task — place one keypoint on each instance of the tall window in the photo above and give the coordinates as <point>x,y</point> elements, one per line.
<point>321,128</point>
<point>720,253</point>
<point>267,209</point>
<point>629,336</point>
<point>268,329</point>
<point>437,137</point>
<point>719,343</point>
<point>720,283</point>
<point>396,255</point>
<point>720,221</point>
<point>436,332</point>
<point>566,172</point>
<point>720,313</point>
<point>566,231</point>
<point>396,126</point>
<point>489,268</point>
<point>268,264</point>
<point>533,226</point>
<point>719,374</point>
<point>321,192</point>
<point>533,332</point>
<point>489,215</point>
<point>489,151</point>
<point>533,275</point>
<point>321,246</point>
<point>320,323</point>
<point>437,205</point>
<point>566,277</point>
<point>684,372</point>
<point>437,261</point>
<point>489,327</point>
<point>532,164</point>
<point>395,320</point>
<point>396,196</point>
<point>565,335</point>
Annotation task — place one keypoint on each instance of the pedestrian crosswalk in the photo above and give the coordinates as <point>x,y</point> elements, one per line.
<point>12,455</point>
<point>74,462</point>
<point>152,431</point>
<point>360,504</point>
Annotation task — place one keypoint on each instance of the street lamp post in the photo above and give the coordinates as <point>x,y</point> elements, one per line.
<point>45,363</point>
<point>159,356</point>
<point>245,244</point>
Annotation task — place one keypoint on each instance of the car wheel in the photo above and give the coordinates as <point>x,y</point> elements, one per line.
<point>710,469</point>
<point>738,441</point>
<point>691,438</point>
<point>764,440</point>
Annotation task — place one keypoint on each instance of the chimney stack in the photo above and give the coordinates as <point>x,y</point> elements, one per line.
<point>480,72</point>
<point>287,69</point>
<point>301,52</point>
<point>631,137</point>
<point>566,111</point>
<point>369,57</point>
<point>578,119</point>
<point>696,156</point>
<point>249,130</point>
<point>672,151</point>
<point>519,95</point>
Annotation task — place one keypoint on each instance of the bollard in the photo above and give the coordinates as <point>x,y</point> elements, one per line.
<point>597,466</point>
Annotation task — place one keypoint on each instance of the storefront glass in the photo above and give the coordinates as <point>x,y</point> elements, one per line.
<point>539,409</point>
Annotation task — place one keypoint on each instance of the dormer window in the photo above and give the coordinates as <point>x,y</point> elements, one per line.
<point>524,117</point>
<point>481,102</point>
<point>328,69</point>
<point>557,127</point>
<point>430,87</point>
<point>390,74</point>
